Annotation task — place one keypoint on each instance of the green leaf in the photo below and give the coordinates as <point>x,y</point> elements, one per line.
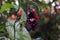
<point>6,6</point>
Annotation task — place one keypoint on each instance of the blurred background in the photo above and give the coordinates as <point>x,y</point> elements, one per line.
<point>47,18</point>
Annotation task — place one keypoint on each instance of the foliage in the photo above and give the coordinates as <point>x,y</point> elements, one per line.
<point>53,29</point>
<point>5,7</point>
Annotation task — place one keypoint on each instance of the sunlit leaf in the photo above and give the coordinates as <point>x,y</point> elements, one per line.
<point>6,6</point>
